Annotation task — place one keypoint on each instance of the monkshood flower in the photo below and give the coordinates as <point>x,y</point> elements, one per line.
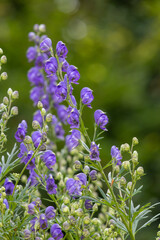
<point>61,49</point>
<point>93,175</point>
<point>59,131</point>
<point>31,53</point>
<point>73,74</point>
<point>94,152</point>
<point>65,65</point>
<point>36,138</point>
<point>25,156</point>
<point>87,96</point>
<point>43,221</point>
<point>31,208</point>
<point>101,119</point>
<point>62,113</point>
<point>36,94</point>
<point>21,131</point>
<point>40,60</point>
<point>35,76</point>
<point>88,204</point>
<point>61,92</point>
<point>50,212</point>
<point>51,66</point>
<point>33,178</point>
<point>116,155</point>
<point>45,45</point>
<point>50,185</point>
<point>49,159</point>
<point>74,187</point>
<point>38,117</point>
<point>9,187</point>
<point>73,118</point>
<point>27,234</point>
<point>56,231</point>
<point>72,141</point>
<point>33,223</point>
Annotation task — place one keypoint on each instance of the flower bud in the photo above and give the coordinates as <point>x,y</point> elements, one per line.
<point>36,27</point>
<point>28,139</point>
<point>24,178</point>
<point>39,105</point>
<point>97,236</point>
<point>66,226</point>
<point>61,183</point>
<point>42,28</point>
<point>4,76</point>
<point>2,107</point>
<point>49,117</point>
<point>79,212</point>
<point>1,51</point>
<point>117,169</point>
<point>126,165</point>
<point>135,141</point>
<point>123,181</point>
<point>93,175</point>
<point>66,200</point>
<point>65,209</point>
<point>10,91</point>
<point>135,157</point>
<point>15,95</point>
<point>140,171</point>
<point>14,111</point>
<point>43,111</point>
<point>86,220</point>
<point>59,176</point>
<point>4,116</point>
<point>95,221</point>
<point>86,232</point>
<point>5,100</point>
<point>86,169</point>
<point>77,165</point>
<point>95,207</point>
<point>72,220</point>
<point>125,147</point>
<point>35,125</point>
<point>3,59</point>
<point>129,185</point>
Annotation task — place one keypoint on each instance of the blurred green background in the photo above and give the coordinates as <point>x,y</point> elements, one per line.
<point>116,46</point>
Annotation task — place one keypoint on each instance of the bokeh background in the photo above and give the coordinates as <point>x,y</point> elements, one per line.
<point>116,46</point>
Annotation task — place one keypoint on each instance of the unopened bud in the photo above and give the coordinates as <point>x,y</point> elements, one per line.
<point>135,141</point>
<point>135,157</point>
<point>125,147</point>
<point>43,111</point>
<point>49,117</point>
<point>42,28</point>
<point>15,95</point>
<point>2,107</point>
<point>129,185</point>
<point>65,209</point>
<point>123,181</point>
<point>1,51</point>
<point>3,59</point>
<point>28,139</point>
<point>10,91</point>
<point>4,76</point>
<point>86,169</point>
<point>5,100</point>
<point>95,207</point>
<point>140,171</point>
<point>77,165</point>
<point>85,233</point>
<point>126,165</point>
<point>35,125</point>
<point>40,105</point>
<point>66,200</point>
<point>66,226</point>
<point>86,220</point>
<point>14,111</point>
<point>79,212</point>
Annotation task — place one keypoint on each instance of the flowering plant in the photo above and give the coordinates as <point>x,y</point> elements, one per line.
<point>64,192</point>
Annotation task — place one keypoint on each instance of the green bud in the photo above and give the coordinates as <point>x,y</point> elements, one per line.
<point>59,176</point>
<point>39,105</point>
<point>77,165</point>
<point>35,125</point>
<point>117,169</point>
<point>4,76</point>
<point>158,233</point>
<point>10,91</point>
<point>86,220</point>
<point>49,117</point>
<point>66,200</point>
<point>97,236</point>
<point>2,107</point>
<point>106,231</point>
<point>3,194</point>
<point>140,171</point>
<point>28,139</point>
<point>3,59</point>
<point>66,226</point>
<point>61,183</point>
<point>5,100</point>
<point>129,185</point>
<point>1,51</point>
<point>24,178</point>
<point>123,181</point>
<point>42,28</point>
<point>135,158</point>
<point>135,141</point>
<point>43,111</point>
<point>86,232</point>
<point>14,111</point>
<point>1,225</point>
<point>15,95</point>
<point>65,209</point>
<point>95,221</point>
<point>86,169</point>
<point>125,147</point>
<point>79,212</point>
<point>126,165</point>
<point>4,116</point>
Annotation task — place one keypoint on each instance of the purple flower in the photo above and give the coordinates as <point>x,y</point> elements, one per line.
<point>36,138</point>
<point>73,118</point>
<point>31,36</point>
<point>73,74</point>
<point>56,231</point>
<point>50,185</point>
<point>101,119</point>
<point>49,159</point>
<point>59,131</point>
<point>62,113</point>
<point>50,212</point>
<point>38,117</point>
<point>65,65</point>
<point>31,208</point>
<point>45,45</point>
<point>51,238</point>
<point>45,101</point>
<point>27,234</point>
<point>26,156</point>
<point>88,204</point>
<point>87,96</point>
<point>36,94</point>
<point>35,76</point>
<point>9,186</point>
<point>32,223</point>
<point>43,221</point>
<point>93,175</point>
<point>33,178</point>
<point>21,131</point>
<point>31,53</point>
<point>72,141</point>
<point>51,66</point>
<point>94,152</point>
<point>116,154</point>
<point>6,203</point>
<point>83,178</point>
<point>61,49</point>
<point>61,92</point>
<point>74,186</point>
<point>40,60</point>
